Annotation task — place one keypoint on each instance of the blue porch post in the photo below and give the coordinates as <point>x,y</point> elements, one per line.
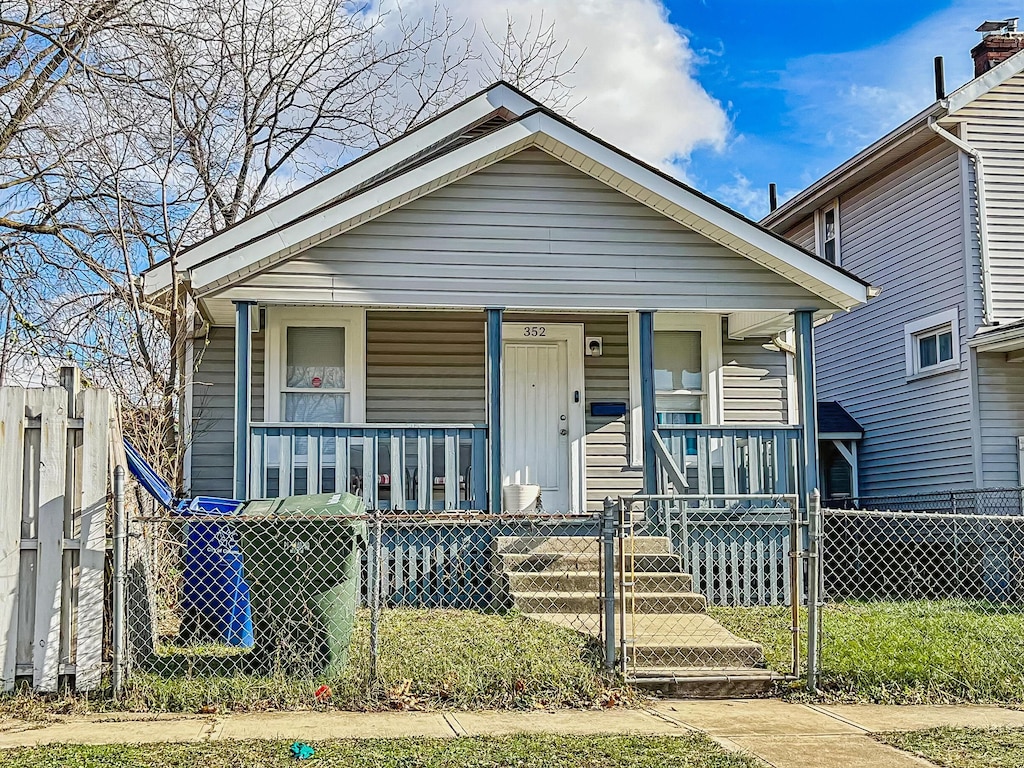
<point>807,401</point>
<point>243,395</point>
<point>647,404</point>
<point>494,409</point>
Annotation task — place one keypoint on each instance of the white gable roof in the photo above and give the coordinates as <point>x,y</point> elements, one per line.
<point>331,206</point>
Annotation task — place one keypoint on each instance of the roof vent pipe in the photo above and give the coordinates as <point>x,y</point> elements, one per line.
<point>940,79</point>
<point>773,196</point>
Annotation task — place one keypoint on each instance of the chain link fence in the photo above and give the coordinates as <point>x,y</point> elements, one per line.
<point>924,596</point>
<point>711,586</point>
<point>381,609</point>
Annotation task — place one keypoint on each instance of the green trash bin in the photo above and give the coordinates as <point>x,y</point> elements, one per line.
<point>302,562</point>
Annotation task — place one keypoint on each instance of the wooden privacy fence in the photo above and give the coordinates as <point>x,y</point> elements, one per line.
<point>54,467</point>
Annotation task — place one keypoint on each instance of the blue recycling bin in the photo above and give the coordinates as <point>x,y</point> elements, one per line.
<point>215,594</point>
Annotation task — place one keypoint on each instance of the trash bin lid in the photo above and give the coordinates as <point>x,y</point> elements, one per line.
<point>312,505</point>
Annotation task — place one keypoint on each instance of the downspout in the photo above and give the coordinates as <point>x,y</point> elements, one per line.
<point>979,185</point>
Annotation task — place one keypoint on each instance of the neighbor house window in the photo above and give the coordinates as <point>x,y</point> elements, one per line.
<point>827,237</point>
<point>933,344</point>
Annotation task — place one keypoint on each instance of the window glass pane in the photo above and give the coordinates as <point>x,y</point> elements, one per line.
<point>315,358</point>
<point>928,351</point>
<point>318,407</point>
<point>830,224</point>
<point>945,346</point>
<point>830,251</point>
<point>677,361</point>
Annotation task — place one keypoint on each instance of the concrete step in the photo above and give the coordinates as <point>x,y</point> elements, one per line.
<point>579,545</point>
<point>569,602</point>
<point>590,581</point>
<point>680,654</point>
<point>705,682</point>
<point>587,562</point>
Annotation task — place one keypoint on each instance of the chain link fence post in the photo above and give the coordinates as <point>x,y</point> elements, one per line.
<point>120,528</point>
<point>814,588</point>
<point>376,572</point>
<point>608,525</point>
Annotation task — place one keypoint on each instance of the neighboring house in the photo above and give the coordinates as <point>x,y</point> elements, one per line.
<point>499,298</point>
<point>932,369</point>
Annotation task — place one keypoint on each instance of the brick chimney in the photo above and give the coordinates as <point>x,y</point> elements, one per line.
<point>1000,40</point>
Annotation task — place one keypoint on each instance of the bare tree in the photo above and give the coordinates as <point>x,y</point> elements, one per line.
<point>131,129</point>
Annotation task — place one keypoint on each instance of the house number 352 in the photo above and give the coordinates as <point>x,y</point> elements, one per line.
<point>535,330</point>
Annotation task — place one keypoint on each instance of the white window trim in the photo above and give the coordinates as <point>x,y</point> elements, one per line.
<point>710,328</point>
<point>911,331</point>
<point>819,231</point>
<point>279,319</point>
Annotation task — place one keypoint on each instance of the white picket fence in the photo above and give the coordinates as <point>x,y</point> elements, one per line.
<point>54,470</point>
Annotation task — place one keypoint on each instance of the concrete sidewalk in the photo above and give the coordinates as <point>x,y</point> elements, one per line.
<point>783,735</point>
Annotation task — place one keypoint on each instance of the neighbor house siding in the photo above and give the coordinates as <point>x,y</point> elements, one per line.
<point>425,367</point>
<point>528,232</point>
<point>213,410</point>
<point>903,230</point>
<point>995,126</point>
<point>754,382</point>
<point>1001,410</point>
<point>803,234</point>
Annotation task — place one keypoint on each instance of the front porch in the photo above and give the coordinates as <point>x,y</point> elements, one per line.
<point>440,411</point>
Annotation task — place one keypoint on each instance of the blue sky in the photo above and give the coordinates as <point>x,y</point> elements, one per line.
<point>805,85</point>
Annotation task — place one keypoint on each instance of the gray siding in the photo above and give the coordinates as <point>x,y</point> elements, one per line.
<point>803,234</point>
<point>995,126</point>
<point>903,230</point>
<point>425,367</point>
<point>754,383</point>
<point>1001,410</point>
<point>529,232</point>
<point>213,397</point>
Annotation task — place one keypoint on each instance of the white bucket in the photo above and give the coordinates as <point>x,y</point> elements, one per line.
<point>520,498</point>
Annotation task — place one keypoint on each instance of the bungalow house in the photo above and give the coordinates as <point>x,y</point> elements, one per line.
<point>931,371</point>
<point>498,298</point>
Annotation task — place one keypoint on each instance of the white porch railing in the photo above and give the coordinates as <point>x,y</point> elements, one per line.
<point>391,466</point>
<point>741,460</point>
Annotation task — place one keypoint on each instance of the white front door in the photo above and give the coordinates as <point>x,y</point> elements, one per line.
<point>542,411</point>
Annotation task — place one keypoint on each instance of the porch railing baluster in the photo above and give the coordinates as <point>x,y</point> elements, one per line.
<point>422,461</point>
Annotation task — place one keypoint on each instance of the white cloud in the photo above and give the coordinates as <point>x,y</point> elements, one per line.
<point>742,196</point>
<point>849,99</point>
<point>636,78</point>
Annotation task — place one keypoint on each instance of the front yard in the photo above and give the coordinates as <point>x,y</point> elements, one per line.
<point>690,751</point>
<point>902,652</point>
<point>963,747</point>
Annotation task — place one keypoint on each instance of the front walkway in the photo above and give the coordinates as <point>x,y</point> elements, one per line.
<point>783,735</point>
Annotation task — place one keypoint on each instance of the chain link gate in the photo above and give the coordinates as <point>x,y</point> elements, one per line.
<point>710,587</point>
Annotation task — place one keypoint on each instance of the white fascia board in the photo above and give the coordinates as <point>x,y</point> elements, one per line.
<point>321,192</point>
<point>287,241</point>
<point>1007,340</point>
<point>156,279</point>
<point>710,217</point>
<point>981,85</point>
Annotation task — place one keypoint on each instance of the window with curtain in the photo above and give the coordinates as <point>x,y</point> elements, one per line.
<point>315,387</point>
<point>678,377</point>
